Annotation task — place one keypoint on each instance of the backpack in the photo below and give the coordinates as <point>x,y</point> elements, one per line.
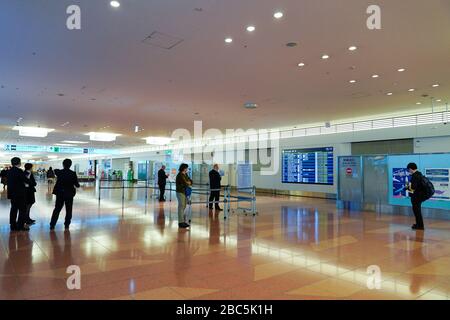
<point>188,191</point>
<point>428,188</point>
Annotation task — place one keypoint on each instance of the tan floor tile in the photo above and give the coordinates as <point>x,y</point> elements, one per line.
<point>333,288</point>
<point>439,266</point>
<point>332,243</point>
<point>407,245</point>
<point>268,270</point>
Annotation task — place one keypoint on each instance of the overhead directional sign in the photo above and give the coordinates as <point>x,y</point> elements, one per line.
<point>55,149</point>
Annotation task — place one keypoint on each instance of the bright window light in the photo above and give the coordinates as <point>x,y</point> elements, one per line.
<point>33,131</point>
<point>102,136</point>
<point>74,142</point>
<point>158,140</point>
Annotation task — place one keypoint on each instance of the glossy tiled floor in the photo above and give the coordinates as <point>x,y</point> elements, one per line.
<point>296,248</point>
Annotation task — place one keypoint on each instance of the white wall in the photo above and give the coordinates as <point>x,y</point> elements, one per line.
<point>428,138</point>
<point>432,145</point>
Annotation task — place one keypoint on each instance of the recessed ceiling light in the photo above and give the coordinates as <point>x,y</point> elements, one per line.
<point>375,76</point>
<point>438,100</point>
<point>102,136</point>
<point>418,102</point>
<point>389,94</point>
<point>33,131</point>
<point>251,28</point>
<point>115,4</point>
<point>228,40</point>
<point>64,145</point>
<point>325,56</point>
<point>401,69</point>
<point>411,90</point>
<point>352,48</point>
<point>352,81</point>
<point>74,142</point>
<point>301,64</point>
<point>158,140</point>
<point>278,15</point>
<point>435,85</point>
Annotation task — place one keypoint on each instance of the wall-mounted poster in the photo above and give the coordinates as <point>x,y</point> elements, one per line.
<point>400,179</point>
<point>440,178</point>
<point>434,166</point>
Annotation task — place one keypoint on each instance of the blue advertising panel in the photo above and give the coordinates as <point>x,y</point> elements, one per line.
<point>311,166</point>
<point>434,166</point>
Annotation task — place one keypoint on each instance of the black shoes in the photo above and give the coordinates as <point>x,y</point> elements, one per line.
<point>31,222</point>
<point>415,227</point>
<point>52,228</point>
<point>219,209</point>
<point>183,225</point>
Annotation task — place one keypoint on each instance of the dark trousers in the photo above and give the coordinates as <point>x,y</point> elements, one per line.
<point>162,190</point>
<point>417,209</point>
<point>17,206</point>
<point>214,197</point>
<point>59,204</point>
<point>28,206</point>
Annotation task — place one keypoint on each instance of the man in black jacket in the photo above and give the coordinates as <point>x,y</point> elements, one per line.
<point>162,179</point>
<point>17,195</point>
<point>416,190</point>
<point>214,184</point>
<point>65,191</point>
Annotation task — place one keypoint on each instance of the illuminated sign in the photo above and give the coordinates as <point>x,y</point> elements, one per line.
<point>54,149</point>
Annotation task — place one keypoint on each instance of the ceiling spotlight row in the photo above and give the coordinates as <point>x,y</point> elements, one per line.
<point>327,56</point>
<point>251,28</point>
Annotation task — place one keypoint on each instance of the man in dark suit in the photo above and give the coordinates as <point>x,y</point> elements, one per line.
<point>65,190</point>
<point>214,184</point>
<point>162,179</point>
<point>416,190</point>
<point>17,195</point>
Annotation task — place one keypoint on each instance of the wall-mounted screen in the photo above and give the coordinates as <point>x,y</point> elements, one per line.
<point>312,166</point>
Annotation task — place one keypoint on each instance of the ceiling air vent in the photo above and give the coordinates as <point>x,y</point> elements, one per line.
<point>359,95</point>
<point>162,40</point>
<point>250,105</point>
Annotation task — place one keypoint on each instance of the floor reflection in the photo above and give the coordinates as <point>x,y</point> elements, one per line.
<point>296,248</point>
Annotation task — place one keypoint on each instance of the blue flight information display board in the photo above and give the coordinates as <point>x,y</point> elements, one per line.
<point>312,166</point>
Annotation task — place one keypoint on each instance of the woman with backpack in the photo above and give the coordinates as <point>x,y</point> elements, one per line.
<point>183,187</point>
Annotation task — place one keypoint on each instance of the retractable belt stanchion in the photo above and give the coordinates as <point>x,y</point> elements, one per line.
<point>228,198</point>
<point>99,189</point>
<point>239,198</point>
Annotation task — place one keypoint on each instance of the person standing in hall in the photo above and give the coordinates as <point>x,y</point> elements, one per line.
<point>65,190</point>
<point>17,195</point>
<point>162,179</point>
<point>214,184</point>
<point>4,177</point>
<point>30,191</point>
<point>182,183</point>
<point>417,191</point>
